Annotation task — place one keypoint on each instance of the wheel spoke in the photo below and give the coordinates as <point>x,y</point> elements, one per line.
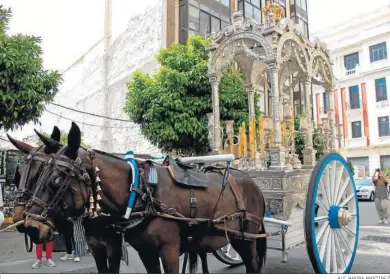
<point>325,177</point>
<point>339,175</point>
<point>342,190</point>
<point>347,200</point>
<point>346,229</point>
<point>321,218</point>
<point>321,231</point>
<point>328,251</point>
<point>344,241</point>
<point>321,205</point>
<point>334,259</point>
<point>324,244</point>
<point>323,192</point>
<point>332,181</point>
<point>339,251</point>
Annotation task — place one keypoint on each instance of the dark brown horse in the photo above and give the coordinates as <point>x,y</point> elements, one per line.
<point>102,238</point>
<point>67,180</point>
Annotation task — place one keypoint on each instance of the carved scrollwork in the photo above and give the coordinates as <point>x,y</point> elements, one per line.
<point>275,206</point>
<point>263,183</point>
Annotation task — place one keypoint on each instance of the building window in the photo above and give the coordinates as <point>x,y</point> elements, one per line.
<point>325,97</point>
<point>356,129</point>
<point>251,9</point>
<point>383,126</point>
<point>202,17</point>
<point>298,10</point>
<point>380,88</point>
<point>351,60</point>
<point>378,52</point>
<point>354,97</point>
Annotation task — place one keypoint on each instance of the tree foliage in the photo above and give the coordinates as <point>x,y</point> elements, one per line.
<point>25,87</point>
<point>63,139</point>
<point>351,167</point>
<point>171,105</point>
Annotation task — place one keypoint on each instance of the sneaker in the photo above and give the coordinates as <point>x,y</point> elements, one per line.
<point>38,263</point>
<point>381,222</point>
<point>76,259</point>
<point>385,222</point>
<point>67,257</point>
<point>51,263</point>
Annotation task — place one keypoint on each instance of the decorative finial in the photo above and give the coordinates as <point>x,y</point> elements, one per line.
<point>98,197</point>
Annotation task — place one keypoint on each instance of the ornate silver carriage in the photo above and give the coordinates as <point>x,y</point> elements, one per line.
<point>313,201</point>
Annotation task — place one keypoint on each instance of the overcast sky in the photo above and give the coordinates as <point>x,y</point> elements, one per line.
<point>70,27</point>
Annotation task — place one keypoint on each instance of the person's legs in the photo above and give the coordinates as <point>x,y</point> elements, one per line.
<point>385,210</point>
<point>49,254</point>
<point>379,209</point>
<point>68,235</point>
<point>38,254</point>
<point>77,251</point>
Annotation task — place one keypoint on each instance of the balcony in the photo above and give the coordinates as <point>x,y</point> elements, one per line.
<point>354,105</point>
<point>356,142</point>
<point>351,73</point>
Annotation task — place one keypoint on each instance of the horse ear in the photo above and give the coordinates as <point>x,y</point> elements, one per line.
<point>22,146</point>
<point>56,134</point>
<point>52,145</point>
<point>74,141</point>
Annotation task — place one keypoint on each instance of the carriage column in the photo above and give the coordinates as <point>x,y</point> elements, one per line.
<point>251,100</point>
<point>277,152</point>
<point>214,80</point>
<point>309,154</point>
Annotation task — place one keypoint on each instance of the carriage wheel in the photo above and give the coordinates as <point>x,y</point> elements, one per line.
<point>228,255</point>
<point>332,216</point>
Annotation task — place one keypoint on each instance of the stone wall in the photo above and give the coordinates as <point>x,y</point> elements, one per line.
<point>97,83</point>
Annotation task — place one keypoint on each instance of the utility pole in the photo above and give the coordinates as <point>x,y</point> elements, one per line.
<point>107,23</point>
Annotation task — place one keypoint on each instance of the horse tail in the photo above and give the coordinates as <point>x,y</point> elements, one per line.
<point>193,257</point>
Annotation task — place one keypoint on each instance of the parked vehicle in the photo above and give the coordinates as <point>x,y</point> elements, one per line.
<point>365,189</point>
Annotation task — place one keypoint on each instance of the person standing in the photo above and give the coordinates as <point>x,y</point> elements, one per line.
<point>69,242</point>
<point>381,196</point>
<point>79,238</point>
<point>39,252</point>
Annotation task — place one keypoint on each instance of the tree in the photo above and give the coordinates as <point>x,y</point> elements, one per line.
<point>299,141</point>
<point>171,105</point>
<point>25,87</point>
<point>63,139</point>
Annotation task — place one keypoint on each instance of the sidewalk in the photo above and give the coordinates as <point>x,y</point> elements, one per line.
<point>15,259</point>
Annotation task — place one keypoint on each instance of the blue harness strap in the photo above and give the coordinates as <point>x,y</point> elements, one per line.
<point>134,184</point>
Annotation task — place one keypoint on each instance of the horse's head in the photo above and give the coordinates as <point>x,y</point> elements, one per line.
<point>61,188</point>
<point>27,174</point>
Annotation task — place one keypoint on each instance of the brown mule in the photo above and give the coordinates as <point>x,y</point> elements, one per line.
<point>67,179</point>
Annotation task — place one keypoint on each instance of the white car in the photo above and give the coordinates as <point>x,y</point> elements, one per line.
<point>365,189</point>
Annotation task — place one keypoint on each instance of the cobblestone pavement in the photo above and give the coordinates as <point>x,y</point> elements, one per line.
<point>373,254</point>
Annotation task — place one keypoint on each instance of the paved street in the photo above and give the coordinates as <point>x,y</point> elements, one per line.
<point>373,254</point>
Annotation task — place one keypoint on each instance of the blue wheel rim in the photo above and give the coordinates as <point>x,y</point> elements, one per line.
<point>341,233</point>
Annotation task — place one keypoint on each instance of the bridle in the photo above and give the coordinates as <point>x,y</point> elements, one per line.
<point>22,194</point>
<point>74,168</point>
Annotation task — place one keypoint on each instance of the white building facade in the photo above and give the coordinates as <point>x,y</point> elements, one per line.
<point>360,49</point>
<point>97,83</point>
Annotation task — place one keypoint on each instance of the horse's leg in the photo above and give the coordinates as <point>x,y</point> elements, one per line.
<point>170,254</point>
<point>99,253</point>
<point>114,252</point>
<point>151,260</point>
<point>165,236</point>
<point>248,253</point>
<point>203,258</point>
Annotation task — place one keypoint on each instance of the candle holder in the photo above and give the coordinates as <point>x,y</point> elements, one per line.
<point>268,132</point>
